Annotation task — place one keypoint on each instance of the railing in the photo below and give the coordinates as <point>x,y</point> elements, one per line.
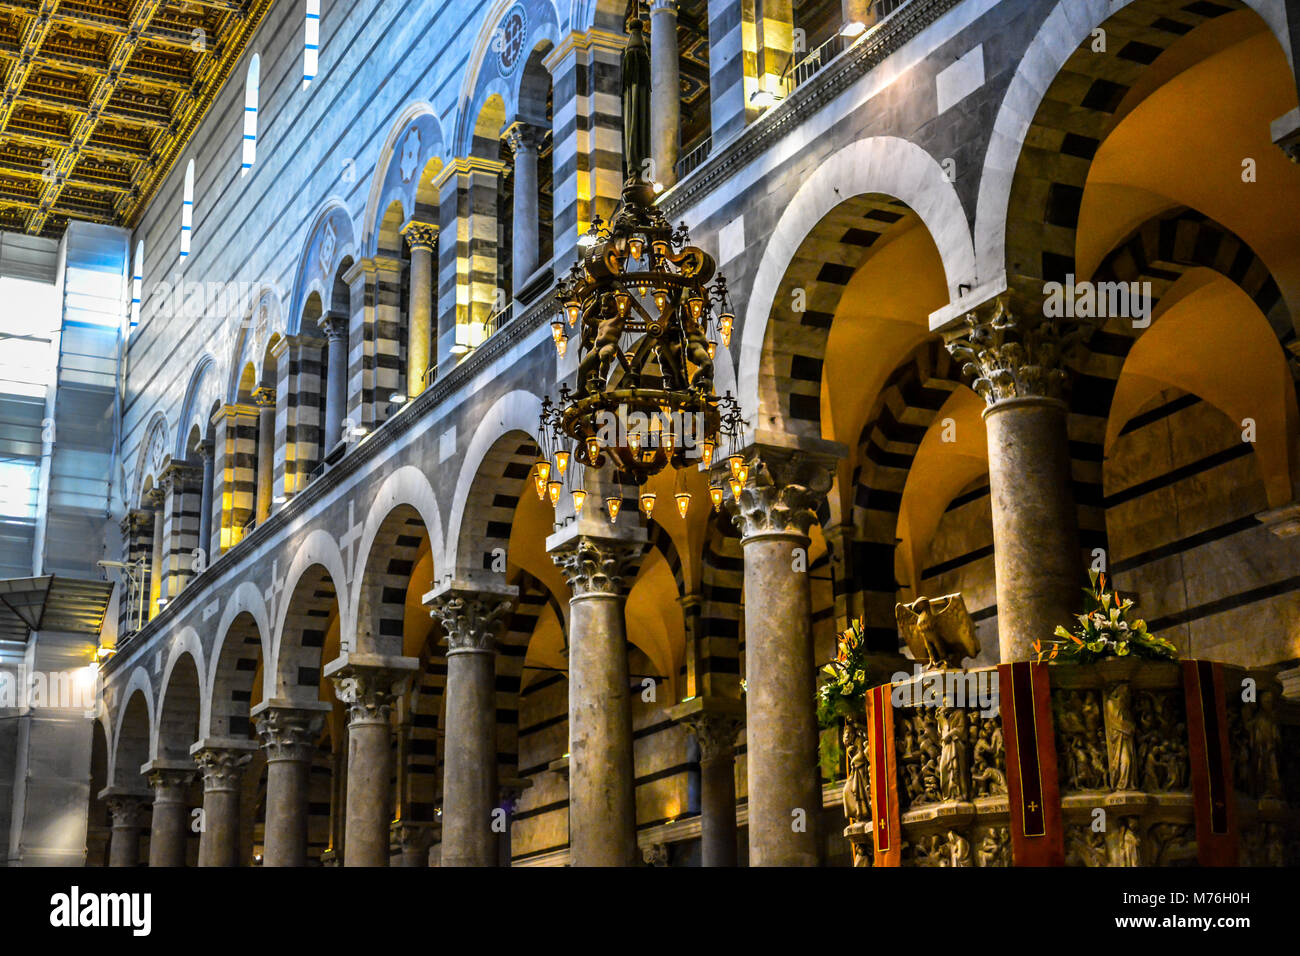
<point>806,68</point>
<point>697,155</point>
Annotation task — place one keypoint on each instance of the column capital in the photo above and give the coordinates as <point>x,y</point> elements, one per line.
<point>523,135</point>
<point>222,765</point>
<point>169,779</point>
<point>127,809</point>
<point>598,566</point>
<point>784,487</point>
<point>606,41</point>
<point>155,496</point>
<point>663,6</point>
<point>334,324</point>
<point>1011,352</point>
<point>264,396</point>
<point>421,235</point>
<point>472,617</point>
<point>714,721</point>
<point>288,731</point>
<point>368,683</point>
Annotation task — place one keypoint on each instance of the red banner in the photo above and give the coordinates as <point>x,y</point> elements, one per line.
<point>886,830</point>
<point>1037,837</point>
<point>1207,749</point>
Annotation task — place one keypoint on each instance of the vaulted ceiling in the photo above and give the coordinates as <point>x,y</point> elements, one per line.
<point>97,100</point>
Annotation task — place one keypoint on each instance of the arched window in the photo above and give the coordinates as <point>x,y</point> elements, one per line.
<point>187,209</point>
<point>250,114</point>
<point>137,284</point>
<point>311,43</point>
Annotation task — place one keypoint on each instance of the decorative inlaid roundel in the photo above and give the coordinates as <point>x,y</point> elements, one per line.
<point>509,39</point>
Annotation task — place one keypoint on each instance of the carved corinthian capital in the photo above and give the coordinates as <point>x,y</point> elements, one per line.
<point>472,620</point>
<point>222,767</point>
<point>169,784</point>
<point>597,566</point>
<point>1014,354</point>
<point>288,733</point>
<point>127,810</point>
<point>368,692</point>
<point>715,733</point>
<point>783,489</point>
<point>421,235</point>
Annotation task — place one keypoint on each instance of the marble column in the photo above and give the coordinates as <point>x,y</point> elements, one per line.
<point>715,723</point>
<point>222,766</point>
<point>472,619</point>
<point>156,500</point>
<point>775,510</point>
<point>170,828</point>
<point>335,327</point>
<point>665,91</point>
<point>127,812</point>
<point>1014,361</point>
<point>422,237</point>
<point>264,399</point>
<point>602,788</point>
<point>367,685</point>
<point>524,140</point>
<point>288,733</point>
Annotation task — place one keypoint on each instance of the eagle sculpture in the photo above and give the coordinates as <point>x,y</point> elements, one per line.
<point>938,630</point>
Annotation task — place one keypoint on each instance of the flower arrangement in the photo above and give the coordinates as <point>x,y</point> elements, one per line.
<point>1106,629</point>
<point>844,693</point>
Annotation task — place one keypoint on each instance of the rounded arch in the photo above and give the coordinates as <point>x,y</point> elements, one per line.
<point>884,166</point>
<point>1069,26</point>
<point>201,393</point>
<point>243,636</point>
<point>518,412</point>
<point>153,455</point>
<point>414,142</point>
<point>487,76</point>
<point>330,243</point>
<point>315,584</point>
<point>404,497</point>
<point>180,700</point>
<point>132,739</point>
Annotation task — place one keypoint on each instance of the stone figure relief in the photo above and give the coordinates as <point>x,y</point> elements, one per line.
<point>1081,739</point>
<point>918,758</point>
<point>1239,743</point>
<point>1262,732</point>
<point>857,784</point>
<point>958,850</point>
<point>1162,741</point>
<point>1126,844</point>
<point>1084,846</point>
<point>954,755</point>
<point>1120,731</point>
<point>989,759</point>
<point>994,847</point>
<point>1171,843</point>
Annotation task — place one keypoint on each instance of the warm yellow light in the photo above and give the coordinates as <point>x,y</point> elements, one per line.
<point>743,475</point>
<point>736,487</point>
<point>562,346</point>
<point>579,499</point>
<point>713,349</point>
<point>736,462</point>
<point>715,494</point>
<point>540,477</point>
<point>557,330</point>
<point>660,248</point>
<point>683,499</point>
<point>573,310</point>
<point>706,452</point>
<point>553,489</point>
<point>666,443</point>
<point>623,302</point>
<point>593,449</point>
<point>661,300</point>
<point>634,442</point>
<point>561,462</point>
<point>696,306</point>
<point>725,323</point>
<point>648,503</point>
<point>636,246</point>
<point>612,505</point>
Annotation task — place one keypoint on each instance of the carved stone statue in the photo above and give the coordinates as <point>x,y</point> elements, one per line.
<point>938,630</point>
<point>1127,849</point>
<point>988,776</point>
<point>1119,738</point>
<point>954,755</point>
<point>958,849</point>
<point>1084,846</point>
<point>1261,726</point>
<point>857,786</point>
<point>995,847</point>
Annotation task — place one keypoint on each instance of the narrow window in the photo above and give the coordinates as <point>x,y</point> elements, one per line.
<point>311,43</point>
<point>250,115</point>
<point>137,283</point>
<point>187,209</point>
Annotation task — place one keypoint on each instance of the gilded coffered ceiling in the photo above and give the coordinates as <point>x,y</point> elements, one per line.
<point>99,99</point>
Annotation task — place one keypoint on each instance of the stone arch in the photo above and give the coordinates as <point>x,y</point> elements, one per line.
<point>869,182</point>
<point>502,448</point>
<point>330,243</point>
<point>1042,78</point>
<point>486,75</point>
<point>243,645</point>
<point>404,505</point>
<point>315,588</point>
<point>415,141</point>
<point>152,457</point>
<point>133,734</point>
<point>180,700</point>
<point>200,394</point>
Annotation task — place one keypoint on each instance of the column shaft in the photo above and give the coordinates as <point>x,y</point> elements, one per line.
<point>288,735</point>
<point>469,767</point>
<point>665,90</point>
<point>171,817</point>
<point>265,453</point>
<point>369,796</point>
<point>156,560</point>
<point>127,820</point>
<point>718,810</point>
<point>525,213</point>
<point>419,336</point>
<point>205,503</point>
<point>336,379</point>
